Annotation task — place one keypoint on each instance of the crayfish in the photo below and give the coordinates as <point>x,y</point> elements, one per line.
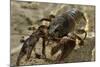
<point>62,30</point>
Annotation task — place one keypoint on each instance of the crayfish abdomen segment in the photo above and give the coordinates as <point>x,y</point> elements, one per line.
<point>65,23</point>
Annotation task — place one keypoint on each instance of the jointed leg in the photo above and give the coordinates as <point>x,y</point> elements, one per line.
<point>29,51</point>
<point>21,54</point>
<point>82,31</point>
<point>81,40</point>
<point>67,47</point>
<point>43,48</point>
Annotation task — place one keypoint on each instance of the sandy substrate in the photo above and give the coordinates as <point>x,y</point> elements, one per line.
<point>85,53</point>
